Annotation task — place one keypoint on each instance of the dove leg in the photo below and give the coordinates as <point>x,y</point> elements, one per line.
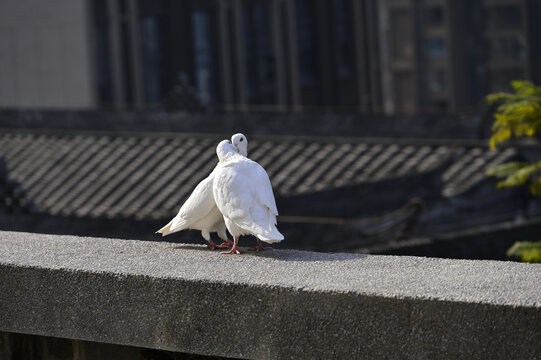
<point>260,247</point>
<point>234,249</point>
<point>206,235</point>
<point>222,234</point>
<point>226,243</point>
<point>212,245</point>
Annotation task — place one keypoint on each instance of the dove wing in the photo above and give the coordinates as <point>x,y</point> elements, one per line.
<point>197,206</point>
<point>263,188</point>
<point>244,194</point>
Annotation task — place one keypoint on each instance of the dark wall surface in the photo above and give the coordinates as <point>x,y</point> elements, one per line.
<point>298,124</point>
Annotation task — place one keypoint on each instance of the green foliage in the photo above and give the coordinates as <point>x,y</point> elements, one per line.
<point>518,173</point>
<point>518,114</point>
<point>526,251</point>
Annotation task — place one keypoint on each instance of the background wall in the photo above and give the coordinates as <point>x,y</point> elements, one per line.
<point>45,54</point>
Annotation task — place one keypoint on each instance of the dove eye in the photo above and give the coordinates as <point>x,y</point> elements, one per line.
<point>241,139</point>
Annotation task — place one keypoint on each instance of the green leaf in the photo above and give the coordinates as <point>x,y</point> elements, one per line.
<point>524,87</point>
<point>519,177</point>
<point>526,251</point>
<point>506,169</point>
<point>517,173</point>
<point>535,186</point>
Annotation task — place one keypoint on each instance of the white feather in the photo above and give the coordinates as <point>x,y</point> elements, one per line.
<point>199,212</point>
<point>243,193</point>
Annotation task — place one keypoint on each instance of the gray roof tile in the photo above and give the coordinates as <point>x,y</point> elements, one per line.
<point>150,176</point>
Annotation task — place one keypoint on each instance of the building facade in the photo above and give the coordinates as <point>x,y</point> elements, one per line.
<point>277,55</point>
<point>446,55</point>
<point>368,56</point>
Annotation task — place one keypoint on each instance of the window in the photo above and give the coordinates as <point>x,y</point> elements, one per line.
<point>341,38</point>
<point>500,80</point>
<point>404,89</point>
<point>506,48</point>
<point>436,48</point>
<point>101,43</point>
<point>435,16</point>
<point>306,42</point>
<point>439,106</point>
<point>258,54</point>
<point>503,17</point>
<point>249,50</point>
<point>401,34</point>
<point>437,80</point>
<point>265,57</point>
<point>204,75</point>
<point>151,59</point>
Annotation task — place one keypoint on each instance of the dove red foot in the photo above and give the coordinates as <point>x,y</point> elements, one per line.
<point>260,247</point>
<point>212,245</point>
<point>226,243</point>
<point>234,249</point>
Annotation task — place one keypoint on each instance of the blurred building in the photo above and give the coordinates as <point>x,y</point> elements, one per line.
<point>365,56</point>
<point>238,55</point>
<point>46,57</point>
<point>446,55</point>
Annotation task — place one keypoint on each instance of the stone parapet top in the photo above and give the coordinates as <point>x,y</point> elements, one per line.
<point>495,282</point>
<point>274,304</point>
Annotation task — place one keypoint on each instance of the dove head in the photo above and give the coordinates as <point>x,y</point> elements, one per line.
<point>241,143</point>
<point>225,150</point>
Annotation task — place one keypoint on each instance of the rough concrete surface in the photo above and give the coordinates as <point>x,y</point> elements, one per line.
<point>275,304</point>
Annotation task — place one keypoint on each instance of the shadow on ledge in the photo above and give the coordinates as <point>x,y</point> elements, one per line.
<point>276,254</point>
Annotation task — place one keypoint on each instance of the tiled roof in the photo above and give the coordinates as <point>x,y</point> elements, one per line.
<point>471,166</point>
<point>149,176</point>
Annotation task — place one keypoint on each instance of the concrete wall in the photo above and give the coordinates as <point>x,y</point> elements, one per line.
<point>45,54</point>
<point>280,304</point>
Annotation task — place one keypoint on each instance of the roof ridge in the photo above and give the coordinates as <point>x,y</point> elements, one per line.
<point>270,137</point>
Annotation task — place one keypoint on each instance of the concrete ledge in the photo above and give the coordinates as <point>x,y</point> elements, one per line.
<point>277,304</point>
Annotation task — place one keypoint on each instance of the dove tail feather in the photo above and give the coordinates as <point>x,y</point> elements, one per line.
<point>273,237</point>
<point>178,224</point>
<point>269,235</point>
<point>175,225</point>
<point>166,230</point>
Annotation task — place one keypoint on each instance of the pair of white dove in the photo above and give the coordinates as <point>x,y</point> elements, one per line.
<point>237,195</point>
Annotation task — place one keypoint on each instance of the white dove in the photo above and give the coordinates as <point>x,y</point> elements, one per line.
<point>243,194</point>
<point>241,143</point>
<point>199,212</point>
